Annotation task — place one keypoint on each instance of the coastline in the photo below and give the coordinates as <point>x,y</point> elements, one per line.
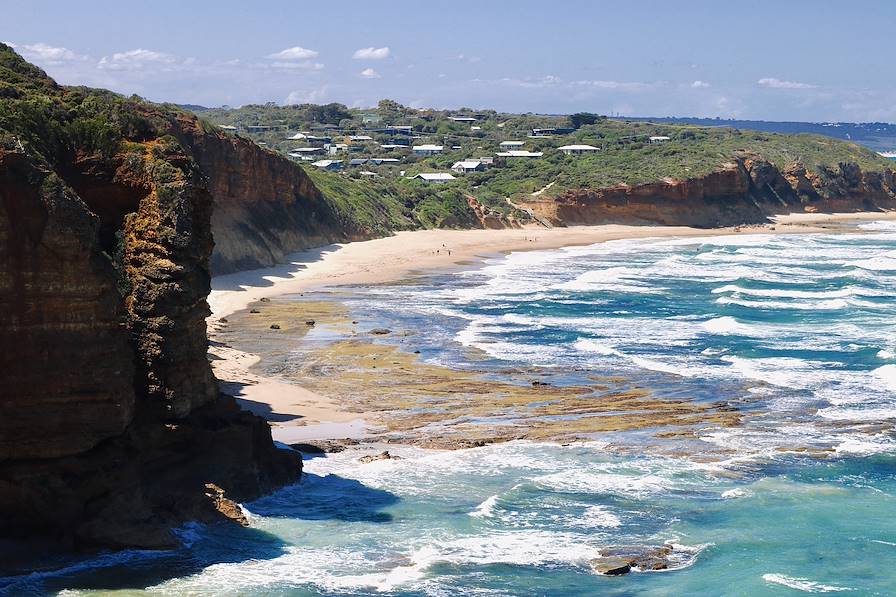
<point>302,414</point>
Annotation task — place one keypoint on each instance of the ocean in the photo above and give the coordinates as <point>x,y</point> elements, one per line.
<point>797,332</point>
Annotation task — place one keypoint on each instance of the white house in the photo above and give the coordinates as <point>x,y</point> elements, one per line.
<point>511,145</point>
<point>334,148</point>
<point>296,137</point>
<point>360,138</point>
<point>424,150</point>
<point>304,152</point>
<point>435,177</point>
<point>229,128</point>
<point>519,154</point>
<point>659,139</point>
<point>393,146</point>
<point>328,164</point>
<point>468,166</point>
<point>573,149</point>
<point>462,118</point>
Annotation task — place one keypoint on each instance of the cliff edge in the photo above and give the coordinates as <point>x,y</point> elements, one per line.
<point>112,430</point>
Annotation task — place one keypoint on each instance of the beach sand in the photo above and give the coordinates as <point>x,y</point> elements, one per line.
<point>299,414</point>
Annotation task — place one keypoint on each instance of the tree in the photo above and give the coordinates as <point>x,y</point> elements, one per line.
<point>580,119</point>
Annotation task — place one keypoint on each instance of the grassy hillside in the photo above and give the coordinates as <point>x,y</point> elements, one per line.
<point>625,156</point>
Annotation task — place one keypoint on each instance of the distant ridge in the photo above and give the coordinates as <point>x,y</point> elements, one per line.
<point>880,136</point>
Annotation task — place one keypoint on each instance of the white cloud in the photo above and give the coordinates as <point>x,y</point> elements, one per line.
<point>371,53</point>
<point>470,59</point>
<point>10,44</point>
<point>369,73</point>
<point>773,83</point>
<point>315,96</point>
<point>137,59</point>
<point>47,54</point>
<point>294,53</point>
<point>700,84</point>
<point>304,65</point>
<point>618,85</point>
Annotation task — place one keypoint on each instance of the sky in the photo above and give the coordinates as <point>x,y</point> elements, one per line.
<point>769,60</point>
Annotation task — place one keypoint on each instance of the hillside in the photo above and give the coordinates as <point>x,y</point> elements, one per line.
<point>624,155</point>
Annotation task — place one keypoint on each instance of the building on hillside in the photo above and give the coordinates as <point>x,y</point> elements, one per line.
<point>468,166</point>
<point>511,145</point>
<point>659,139</point>
<point>425,150</point>
<point>264,128</point>
<point>368,173</point>
<point>519,154</point>
<point>303,151</point>
<point>371,118</point>
<point>330,165</point>
<point>296,137</point>
<point>229,128</point>
<point>334,148</point>
<point>360,138</point>
<point>394,146</point>
<point>462,118</point>
<point>434,177</point>
<point>486,160</point>
<point>575,149</point>
<point>358,161</point>
<point>379,161</point>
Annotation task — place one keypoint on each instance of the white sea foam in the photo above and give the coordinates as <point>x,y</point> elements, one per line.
<point>847,291</point>
<point>879,225</point>
<point>726,326</point>
<point>886,354</point>
<point>802,584</point>
<point>486,509</point>
<point>737,492</point>
<point>887,375</point>
<point>599,517</point>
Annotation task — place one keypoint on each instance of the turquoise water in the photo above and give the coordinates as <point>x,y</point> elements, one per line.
<point>796,331</point>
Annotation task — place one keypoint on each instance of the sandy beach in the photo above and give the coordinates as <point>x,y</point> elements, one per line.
<point>298,414</point>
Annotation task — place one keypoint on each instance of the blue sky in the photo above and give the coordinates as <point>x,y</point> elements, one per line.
<point>784,60</point>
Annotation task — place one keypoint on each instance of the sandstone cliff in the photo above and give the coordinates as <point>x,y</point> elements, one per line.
<point>265,207</point>
<point>111,425</point>
<point>746,191</point>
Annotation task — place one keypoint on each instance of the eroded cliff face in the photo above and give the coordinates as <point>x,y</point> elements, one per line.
<point>112,429</point>
<point>265,207</point>
<point>746,191</point>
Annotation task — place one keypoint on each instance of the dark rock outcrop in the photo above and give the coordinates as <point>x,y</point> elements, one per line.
<point>747,191</point>
<point>112,431</point>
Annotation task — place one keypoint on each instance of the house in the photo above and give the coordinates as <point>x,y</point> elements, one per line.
<point>394,146</point>
<point>371,118</point>
<point>380,161</point>
<point>330,165</point>
<point>305,151</point>
<point>468,166</point>
<point>659,139</point>
<point>229,128</point>
<point>434,177</point>
<point>488,160</point>
<point>475,128</point>
<point>296,137</point>
<point>425,150</point>
<point>357,162</point>
<point>511,145</point>
<point>462,118</point>
<point>519,154</point>
<point>334,148</point>
<point>360,138</point>
<point>575,149</point>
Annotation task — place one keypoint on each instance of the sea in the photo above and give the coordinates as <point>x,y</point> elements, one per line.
<point>795,331</point>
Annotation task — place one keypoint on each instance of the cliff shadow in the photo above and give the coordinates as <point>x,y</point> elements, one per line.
<point>133,569</point>
<point>262,409</point>
<point>266,277</point>
<point>328,497</point>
